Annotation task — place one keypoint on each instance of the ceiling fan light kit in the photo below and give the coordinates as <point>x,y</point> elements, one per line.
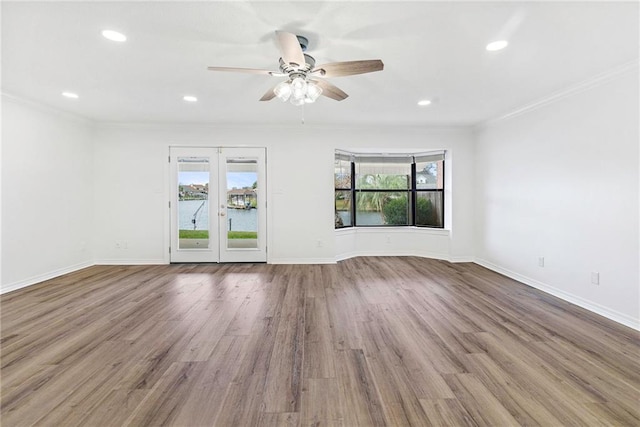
<point>299,89</point>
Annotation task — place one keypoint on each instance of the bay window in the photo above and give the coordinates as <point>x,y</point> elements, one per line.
<point>389,189</point>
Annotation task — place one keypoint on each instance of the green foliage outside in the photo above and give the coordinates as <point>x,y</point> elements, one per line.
<point>193,234</point>
<point>395,212</point>
<point>342,204</point>
<point>393,205</point>
<point>425,213</point>
<point>374,201</point>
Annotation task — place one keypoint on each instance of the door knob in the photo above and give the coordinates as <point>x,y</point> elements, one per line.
<point>222,213</point>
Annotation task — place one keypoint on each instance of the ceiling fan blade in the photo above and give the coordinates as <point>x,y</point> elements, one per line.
<point>331,91</point>
<point>349,68</point>
<point>243,70</point>
<point>290,48</point>
<point>268,95</point>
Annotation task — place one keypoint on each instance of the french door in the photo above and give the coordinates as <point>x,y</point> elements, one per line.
<point>218,207</point>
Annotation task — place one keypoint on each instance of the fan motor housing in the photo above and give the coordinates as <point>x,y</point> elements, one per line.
<point>310,62</point>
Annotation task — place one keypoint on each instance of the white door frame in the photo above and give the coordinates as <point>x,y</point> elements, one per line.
<point>237,250</point>
<point>217,248</point>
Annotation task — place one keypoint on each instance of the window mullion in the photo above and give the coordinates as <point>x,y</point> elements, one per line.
<point>353,194</point>
<point>412,190</point>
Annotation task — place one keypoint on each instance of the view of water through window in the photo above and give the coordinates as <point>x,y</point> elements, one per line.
<point>241,219</point>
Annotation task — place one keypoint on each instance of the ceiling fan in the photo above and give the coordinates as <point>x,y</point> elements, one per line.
<point>306,81</point>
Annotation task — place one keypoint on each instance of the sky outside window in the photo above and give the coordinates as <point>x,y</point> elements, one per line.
<point>234,179</point>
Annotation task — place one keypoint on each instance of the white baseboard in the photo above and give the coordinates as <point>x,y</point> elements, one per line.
<point>127,261</point>
<point>42,277</point>
<point>614,315</point>
<point>301,261</point>
<point>347,255</point>
<point>462,259</point>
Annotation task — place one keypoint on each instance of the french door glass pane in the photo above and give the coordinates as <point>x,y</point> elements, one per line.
<point>193,202</point>
<point>242,203</point>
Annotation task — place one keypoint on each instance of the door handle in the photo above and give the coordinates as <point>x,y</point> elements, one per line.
<point>222,213</point>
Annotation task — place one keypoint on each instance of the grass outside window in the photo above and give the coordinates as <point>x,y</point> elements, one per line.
<point>204,234</point>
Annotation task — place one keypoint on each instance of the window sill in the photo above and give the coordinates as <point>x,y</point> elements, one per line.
<point>394,230</point>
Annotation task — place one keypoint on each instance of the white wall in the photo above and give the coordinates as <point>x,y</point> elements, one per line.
<point>47,202</point>
<point>561,182</point>
<point>299,187</point>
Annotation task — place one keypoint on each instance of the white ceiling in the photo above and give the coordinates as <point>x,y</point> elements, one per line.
<point>430,50</point>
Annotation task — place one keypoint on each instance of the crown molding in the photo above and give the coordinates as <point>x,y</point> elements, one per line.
<point>572,90</point>
<point>160,126</point>
<point>36,105</point>
<point>201,126</point>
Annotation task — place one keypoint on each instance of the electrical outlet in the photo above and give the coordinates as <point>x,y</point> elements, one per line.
<point>118,244</point>
<point>595,278</point>
<point>541,261</point>
<point>320,243</point>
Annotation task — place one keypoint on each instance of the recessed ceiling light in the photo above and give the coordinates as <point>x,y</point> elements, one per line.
<point>114,36</point>
<point>190,98</point>
<point>70,95</point>
<point>497,45</point>
<point>424,102</point>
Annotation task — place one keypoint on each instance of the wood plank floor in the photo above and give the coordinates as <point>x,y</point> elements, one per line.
<point>373,341</point>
